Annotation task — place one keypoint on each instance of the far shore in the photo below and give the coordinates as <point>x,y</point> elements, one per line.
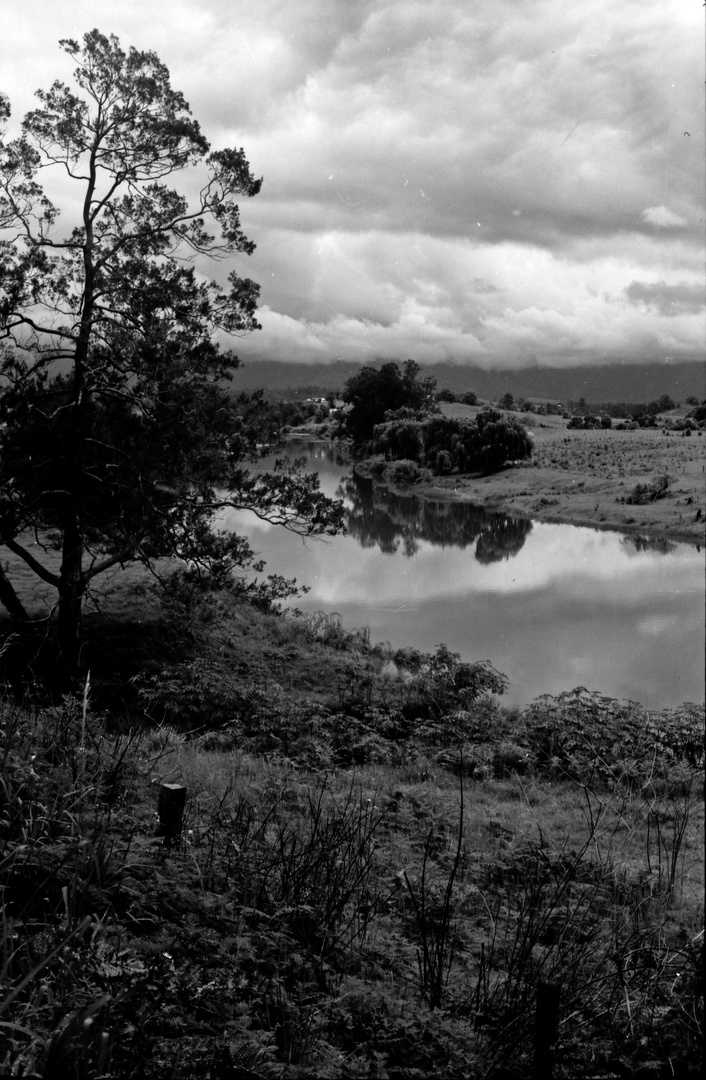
<point>589,505</point>
<point>583,477</point>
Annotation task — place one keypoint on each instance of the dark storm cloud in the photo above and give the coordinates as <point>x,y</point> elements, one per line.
<point>542,129</point>
<point>487,181</point>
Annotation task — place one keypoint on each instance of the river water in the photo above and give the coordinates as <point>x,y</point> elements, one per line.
<point>552,606</point>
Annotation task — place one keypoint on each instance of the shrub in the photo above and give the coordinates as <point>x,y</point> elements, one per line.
<point>642,494</point>
<point>510,758</point>
<point>443,444</point>
<point>405,471</point>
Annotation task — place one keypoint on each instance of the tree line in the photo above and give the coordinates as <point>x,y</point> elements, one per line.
<point>624,410</point>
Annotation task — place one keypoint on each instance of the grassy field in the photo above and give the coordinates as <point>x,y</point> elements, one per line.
<point>584,477</point>
<point>378,868</point>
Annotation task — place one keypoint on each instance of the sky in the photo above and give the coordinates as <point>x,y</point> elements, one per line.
<point>499,183</point>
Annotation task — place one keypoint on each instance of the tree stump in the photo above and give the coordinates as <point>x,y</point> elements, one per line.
<point>546,1030</point>
<point>170,808</point>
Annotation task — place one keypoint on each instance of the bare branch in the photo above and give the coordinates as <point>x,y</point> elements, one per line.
<point>35,566</point>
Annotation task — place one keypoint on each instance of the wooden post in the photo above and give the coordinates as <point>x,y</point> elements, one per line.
<point>546,1030</point>
<point>172,800</point>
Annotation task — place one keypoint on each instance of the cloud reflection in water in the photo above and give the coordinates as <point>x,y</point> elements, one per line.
<point>553,606</point>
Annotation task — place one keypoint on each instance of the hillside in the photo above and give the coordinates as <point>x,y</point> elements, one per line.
<point>612,382</point>
<point>378,869</point>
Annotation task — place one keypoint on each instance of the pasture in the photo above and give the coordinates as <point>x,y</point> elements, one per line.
<point>584,478</point>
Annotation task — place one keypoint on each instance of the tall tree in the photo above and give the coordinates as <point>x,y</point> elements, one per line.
<point>373,394</point>
<point>119,438</point>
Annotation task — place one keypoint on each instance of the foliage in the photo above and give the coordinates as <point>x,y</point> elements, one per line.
<point>647,493</point>
<point>544,408</point>
<point>623,409</point>
<point>120,438</point>
<point>373,393</point>
<point>445,445</point>
<point>590,422</point>
<point>443,684</point>
<point>433,916</point>
<point>589,738</point>
<point>661,405</point>
<point>404,472</point>
<point>321,922</point>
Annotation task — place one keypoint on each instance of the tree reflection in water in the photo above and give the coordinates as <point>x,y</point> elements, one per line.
<point>648,543</point>
<point>379,517</point>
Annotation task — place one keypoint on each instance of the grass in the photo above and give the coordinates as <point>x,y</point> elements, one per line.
<point>378,868</point>
<point>583,477</point>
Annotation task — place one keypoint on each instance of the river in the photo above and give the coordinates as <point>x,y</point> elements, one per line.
<point>551,606</point>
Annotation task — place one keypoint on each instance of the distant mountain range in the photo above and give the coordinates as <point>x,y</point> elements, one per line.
<point>612,382</point>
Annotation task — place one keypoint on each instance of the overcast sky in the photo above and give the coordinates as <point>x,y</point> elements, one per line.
<point>497,182</point>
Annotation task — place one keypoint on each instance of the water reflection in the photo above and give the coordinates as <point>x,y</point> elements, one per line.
<point>378,517</point>
<point>550,605</point>
<point>650,543</point>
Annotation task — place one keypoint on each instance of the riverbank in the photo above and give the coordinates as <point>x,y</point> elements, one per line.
<point>585,477</point>
<point>350,810</point>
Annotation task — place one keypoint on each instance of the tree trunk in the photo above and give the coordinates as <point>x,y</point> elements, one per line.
<point>10,600</point>
<point>71,589</point>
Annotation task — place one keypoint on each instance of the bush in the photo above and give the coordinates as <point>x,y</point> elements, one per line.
<point>510,758</point>
<point>642,494</point>
<point>405,472</point>
<point>444,444</point>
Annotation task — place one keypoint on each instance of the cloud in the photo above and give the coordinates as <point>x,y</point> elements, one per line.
<point>452,299</point>
<point>663,217</point>
<point>479,182</point>
<point>668,299</point>
<point>432,119</point>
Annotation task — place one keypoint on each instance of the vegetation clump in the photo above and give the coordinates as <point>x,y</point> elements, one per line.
<point>373,394</point>
<point>641,413</point>
<point>444,445</point>
<point>590,422</point>
<point>379,863</point>
<point>395,415</point>
<point>641,494</point>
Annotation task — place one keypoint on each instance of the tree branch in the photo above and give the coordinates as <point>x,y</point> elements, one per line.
<point>35,566</point>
